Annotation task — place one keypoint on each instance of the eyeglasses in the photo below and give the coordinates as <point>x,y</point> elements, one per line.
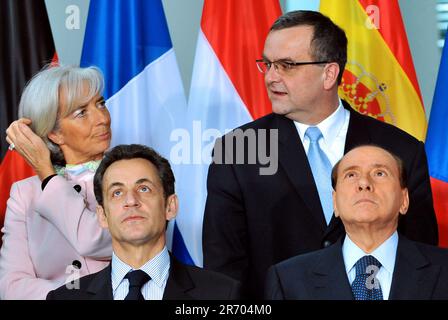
<point>282,66</point>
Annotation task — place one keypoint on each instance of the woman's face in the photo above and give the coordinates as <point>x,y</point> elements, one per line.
<point>84,134</point>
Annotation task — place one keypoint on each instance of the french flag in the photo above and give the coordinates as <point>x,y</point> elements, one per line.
<point>226,91</point>
<point>130,42</point>
<point>437,148</point>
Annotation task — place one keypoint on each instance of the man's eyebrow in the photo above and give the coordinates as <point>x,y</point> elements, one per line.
<point>144,180</point>
<point>350,168</point>
<point>375,165</point>
<point>380,165</point>
<point>115,184</point>
<point>278,60</point>
<point>121,184</point>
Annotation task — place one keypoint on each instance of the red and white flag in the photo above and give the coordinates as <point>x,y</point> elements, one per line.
<point>226,91</point>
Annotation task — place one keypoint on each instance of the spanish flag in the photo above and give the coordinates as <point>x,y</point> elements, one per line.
<point>379,79</point>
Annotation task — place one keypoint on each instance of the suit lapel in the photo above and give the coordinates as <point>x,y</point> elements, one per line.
<point>294,161</point>
<point>329,278</point>
<point>179,282</point>
<point>414,277</point>
<point>100,288</point>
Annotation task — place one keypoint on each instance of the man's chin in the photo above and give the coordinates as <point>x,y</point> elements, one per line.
<point>138,239</point>
<point>279,109</point>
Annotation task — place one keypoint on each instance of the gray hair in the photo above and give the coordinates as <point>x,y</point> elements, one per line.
<point>40,99</point>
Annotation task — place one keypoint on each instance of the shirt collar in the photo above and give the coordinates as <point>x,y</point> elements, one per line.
<point>385,253</point>
<point>157,268</point>
<point>330,127</point>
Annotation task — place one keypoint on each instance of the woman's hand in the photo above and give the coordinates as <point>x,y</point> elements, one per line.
<point>30,146</point>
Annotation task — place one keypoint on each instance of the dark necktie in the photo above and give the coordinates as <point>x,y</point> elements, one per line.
<point>366,286</point>
<point>137,279</point>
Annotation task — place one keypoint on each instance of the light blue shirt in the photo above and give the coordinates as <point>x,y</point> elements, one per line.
<point>385,254</point>
<point>157,268</point>
<point>334,131</point>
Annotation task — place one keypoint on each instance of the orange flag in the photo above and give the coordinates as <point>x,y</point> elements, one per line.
<point>379,79</point>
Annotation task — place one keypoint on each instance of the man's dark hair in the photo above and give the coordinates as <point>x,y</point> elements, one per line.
<point>329,41</point>
<point>133,151</point>
<point>403,177</point>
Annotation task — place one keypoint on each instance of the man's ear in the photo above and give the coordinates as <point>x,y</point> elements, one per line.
<point>331,72</point>
<point>101,216</point>
<point>172,205</point>
<point>335,207</point>
<point>56,137</point>
<point>405,203</point>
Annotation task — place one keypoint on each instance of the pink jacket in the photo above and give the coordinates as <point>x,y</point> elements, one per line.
<point>45,233</point>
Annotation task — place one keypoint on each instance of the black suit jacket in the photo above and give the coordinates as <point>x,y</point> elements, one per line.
<point>253,221</point>
<point>184,283</point>
<point>420,273</point>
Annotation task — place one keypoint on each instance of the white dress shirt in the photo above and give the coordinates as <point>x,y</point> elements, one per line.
<point>157,268</point>
<point>385,254</point>
<point>334,131</point>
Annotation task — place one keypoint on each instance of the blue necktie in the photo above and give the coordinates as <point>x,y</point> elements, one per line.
<point>366,286</point>
<point>137,279</point>
<point>321,168</point>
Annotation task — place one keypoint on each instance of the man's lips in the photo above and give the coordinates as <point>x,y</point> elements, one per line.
<point>278,92</point>
<point>361,201</point>
<point>133,218</point>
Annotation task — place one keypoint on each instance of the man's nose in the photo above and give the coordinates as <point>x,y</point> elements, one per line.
<point>131,199</point>
<point>272,74</point>
<point>364,183</point>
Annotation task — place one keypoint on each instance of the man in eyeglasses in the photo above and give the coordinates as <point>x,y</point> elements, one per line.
<point>253,221</point>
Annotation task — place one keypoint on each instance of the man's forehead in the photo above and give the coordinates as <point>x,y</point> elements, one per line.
<point>130,170</point>
<point>368,156</point>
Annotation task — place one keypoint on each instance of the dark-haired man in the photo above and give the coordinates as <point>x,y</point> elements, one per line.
<point>134,188</point>
<point>253,221</point>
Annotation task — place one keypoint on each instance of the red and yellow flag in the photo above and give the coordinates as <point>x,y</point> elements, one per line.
<point>379,79</point>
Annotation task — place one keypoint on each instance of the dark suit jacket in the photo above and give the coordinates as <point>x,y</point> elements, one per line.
<point>420,273</point>
<point>184,283</point>
<point>253,221</point>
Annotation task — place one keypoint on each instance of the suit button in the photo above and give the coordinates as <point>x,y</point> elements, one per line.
<point>77,264</point>
<point>77,187</point>
<point>327,243</point>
